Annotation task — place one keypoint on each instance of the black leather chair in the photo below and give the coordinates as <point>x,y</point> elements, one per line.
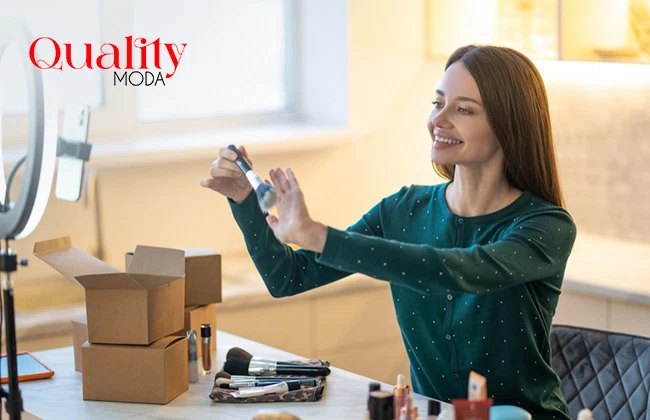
<point>606,372</point>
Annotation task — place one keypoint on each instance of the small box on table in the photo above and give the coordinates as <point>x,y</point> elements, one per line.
<point>156,373</point>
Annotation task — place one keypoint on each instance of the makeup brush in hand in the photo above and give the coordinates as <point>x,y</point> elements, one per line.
<point>266,194</point>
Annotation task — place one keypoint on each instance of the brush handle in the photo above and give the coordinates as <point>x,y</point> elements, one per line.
<point>302,370</point>
<point>240,161</point>
<point>251,175</point>
<point>262,381</point>
<point>236,378</point>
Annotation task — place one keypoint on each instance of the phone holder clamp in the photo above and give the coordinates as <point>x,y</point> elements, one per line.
<point>73,149</point>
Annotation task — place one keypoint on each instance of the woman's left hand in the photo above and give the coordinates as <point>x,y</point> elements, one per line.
<point>293,224</point>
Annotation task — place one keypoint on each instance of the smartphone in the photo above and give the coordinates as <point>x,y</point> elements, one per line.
<point>29,368</point>
<point>69,177</point>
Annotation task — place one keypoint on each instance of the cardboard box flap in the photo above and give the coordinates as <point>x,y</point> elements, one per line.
<point>109,281</point>
<point>200,252</point>
<point>52,245</point>
<point>165,342</point>
<point>158,261</point>
<point>127,260</point>
<point>71,262</point>
<point>149,281</point>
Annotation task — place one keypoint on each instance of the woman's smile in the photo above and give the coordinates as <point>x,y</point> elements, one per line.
<point>443,142</point>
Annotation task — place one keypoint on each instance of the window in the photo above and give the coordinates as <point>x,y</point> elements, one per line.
<point>250,67</point>
<point>237,59</point>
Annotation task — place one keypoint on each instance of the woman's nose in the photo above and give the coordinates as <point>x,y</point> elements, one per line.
<point>438,118</point>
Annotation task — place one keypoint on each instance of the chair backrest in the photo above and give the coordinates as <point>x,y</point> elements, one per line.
<point>607,372</point>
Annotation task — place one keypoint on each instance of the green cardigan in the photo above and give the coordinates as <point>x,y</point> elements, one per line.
<point>470,293</point>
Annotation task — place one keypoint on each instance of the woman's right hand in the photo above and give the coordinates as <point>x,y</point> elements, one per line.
<point>227,178</point>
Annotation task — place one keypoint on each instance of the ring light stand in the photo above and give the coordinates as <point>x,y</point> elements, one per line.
<point>17,220</point>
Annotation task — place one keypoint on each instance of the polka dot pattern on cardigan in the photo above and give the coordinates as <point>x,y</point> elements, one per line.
<point>470,293</point>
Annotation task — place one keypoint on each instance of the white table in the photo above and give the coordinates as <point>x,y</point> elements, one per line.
<point>60,397</point>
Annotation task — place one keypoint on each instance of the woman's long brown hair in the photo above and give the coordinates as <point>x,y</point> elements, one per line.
<point>514,97</point>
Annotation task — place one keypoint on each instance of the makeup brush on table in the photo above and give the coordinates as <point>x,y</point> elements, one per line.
<point>243,354</point>
<point>266,194</point>
<point>264,367</point>
<point>226,381</point>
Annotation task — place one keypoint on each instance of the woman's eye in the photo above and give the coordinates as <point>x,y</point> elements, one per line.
<point>437,104</point>
<point>464,111</point>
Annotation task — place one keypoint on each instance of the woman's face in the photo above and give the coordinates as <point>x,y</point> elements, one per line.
<point>458,123</point>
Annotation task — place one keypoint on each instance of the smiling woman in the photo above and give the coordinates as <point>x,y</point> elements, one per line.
<point>475,264</point>
<point>496,97</point>
<point>458,117</point>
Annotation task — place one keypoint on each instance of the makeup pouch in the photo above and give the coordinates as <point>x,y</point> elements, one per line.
<point>311,393</point>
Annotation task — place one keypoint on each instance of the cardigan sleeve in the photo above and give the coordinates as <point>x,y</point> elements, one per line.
<point>537,247</point>
<point>286,271</point>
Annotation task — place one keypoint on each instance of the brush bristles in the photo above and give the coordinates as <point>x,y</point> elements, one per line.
<point>236,366</point>
<point>222,374</point>
<point>238,352</point>
<point>266,196</point>
<point>222,377</point>
<point>221,382</point>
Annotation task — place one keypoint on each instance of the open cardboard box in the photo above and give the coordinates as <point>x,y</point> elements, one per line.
<point>137,307</point>
<point>202,276</point>
<point>156,373</point>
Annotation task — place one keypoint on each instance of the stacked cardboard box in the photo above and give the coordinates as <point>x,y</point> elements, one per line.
<point>202,291</point>
<point>132,353</point>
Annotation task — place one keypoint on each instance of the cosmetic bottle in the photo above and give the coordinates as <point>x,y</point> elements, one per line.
<point>433,410</point>
<point>381,405</point>
<point>374,386</point>
<point>192,357</point>
<point>402,414</point>
<point>206,352</point>
<point>400,393</point>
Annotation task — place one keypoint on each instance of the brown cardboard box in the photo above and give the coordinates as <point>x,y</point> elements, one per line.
<point>156,373</point>
<point>79,337</point>
<point>137,307</point>
<point>202,276</point>
<point>197,315</point>
<point>203,268</point>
